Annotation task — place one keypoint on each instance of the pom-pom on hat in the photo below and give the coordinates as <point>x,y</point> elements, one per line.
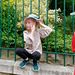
<point>34,17</point>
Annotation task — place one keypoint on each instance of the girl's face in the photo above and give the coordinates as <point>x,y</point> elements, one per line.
<point>29,23</point>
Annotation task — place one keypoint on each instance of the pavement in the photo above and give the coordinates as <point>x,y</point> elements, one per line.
<point>12,67</point>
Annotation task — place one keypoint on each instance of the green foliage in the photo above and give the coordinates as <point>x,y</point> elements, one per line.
<point>43,15</point>
<point>60,4</point>
<point>60,37</point>
<point>43,12</point>
<point>5,26</point>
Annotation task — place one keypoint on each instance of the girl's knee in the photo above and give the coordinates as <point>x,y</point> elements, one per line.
<point>20,50</point>
<point>17,50</point>
<point>36,55</point>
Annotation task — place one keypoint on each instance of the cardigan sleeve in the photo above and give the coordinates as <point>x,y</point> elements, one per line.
<point>28,38</point>
<point>44,32</point>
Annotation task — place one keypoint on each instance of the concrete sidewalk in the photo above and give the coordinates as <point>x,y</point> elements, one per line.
<point>9,66</point>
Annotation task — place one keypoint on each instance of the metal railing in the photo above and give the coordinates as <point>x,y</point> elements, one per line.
<point>47,52</point>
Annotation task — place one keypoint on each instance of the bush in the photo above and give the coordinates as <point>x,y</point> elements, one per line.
<point>43,12</point>
<point>51,23</point>
<point>11,26</point>
<point>60,4</point>
<point>60,37</point>
<point>5,22</point>
<point>43,15</point>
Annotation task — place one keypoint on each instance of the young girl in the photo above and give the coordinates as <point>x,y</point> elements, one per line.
<point>33,47</point>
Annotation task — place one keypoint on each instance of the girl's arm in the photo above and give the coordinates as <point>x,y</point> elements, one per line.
<point>45,31</point>
<point>44,26</point>
<point>32,30</point>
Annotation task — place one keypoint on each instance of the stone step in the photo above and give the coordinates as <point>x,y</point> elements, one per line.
<point>12,67</point>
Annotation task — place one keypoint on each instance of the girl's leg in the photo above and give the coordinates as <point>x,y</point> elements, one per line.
<point>36,56</point>
<point>21,52</point>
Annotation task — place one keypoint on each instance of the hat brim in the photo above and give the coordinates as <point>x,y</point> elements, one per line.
<point>32,18</point>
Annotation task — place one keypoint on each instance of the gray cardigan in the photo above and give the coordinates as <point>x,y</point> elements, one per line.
<point>33,43</point>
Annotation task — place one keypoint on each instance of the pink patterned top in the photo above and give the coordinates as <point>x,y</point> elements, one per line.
<point>33,43</point>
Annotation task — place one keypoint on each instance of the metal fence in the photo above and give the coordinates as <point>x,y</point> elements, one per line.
<point>47,52</point>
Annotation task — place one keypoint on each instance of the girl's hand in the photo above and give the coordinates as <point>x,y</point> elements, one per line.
<point>38,22</point>
<point>41,24</point>
<point>32,29</point>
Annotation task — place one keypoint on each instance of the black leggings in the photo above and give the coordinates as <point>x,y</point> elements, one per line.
<point>24,54</point>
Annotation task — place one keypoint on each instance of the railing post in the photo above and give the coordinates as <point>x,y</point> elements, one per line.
<point>15,24</point>
<point>23,25</point>
<point>55,30</point>
<point>30,6</point>
<point>64,32</point>
<point>8,30</point>
<point>1,27</point>
<point>47,25</point>
<point>39,10</point>
<point>73,28</point>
